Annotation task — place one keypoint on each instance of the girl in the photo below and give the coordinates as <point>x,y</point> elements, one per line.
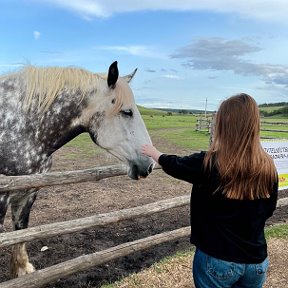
<point>235,187</point>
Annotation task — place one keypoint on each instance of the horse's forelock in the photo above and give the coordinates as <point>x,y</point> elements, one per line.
<point>123,96</point>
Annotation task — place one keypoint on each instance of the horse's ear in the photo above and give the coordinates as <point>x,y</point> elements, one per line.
<point>113,74</point>
<point>129,77</point>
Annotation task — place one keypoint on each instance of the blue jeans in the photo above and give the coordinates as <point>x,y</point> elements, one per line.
<point>210,272</point>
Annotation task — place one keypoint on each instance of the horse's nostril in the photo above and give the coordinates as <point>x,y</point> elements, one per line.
<point>150,168</point>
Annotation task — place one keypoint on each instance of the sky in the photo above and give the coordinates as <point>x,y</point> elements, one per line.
<point>186,51</point>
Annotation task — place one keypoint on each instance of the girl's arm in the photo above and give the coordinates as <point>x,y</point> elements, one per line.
<point>187,168</point>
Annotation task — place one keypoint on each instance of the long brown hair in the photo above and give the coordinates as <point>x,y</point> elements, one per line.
<point>246,170</point>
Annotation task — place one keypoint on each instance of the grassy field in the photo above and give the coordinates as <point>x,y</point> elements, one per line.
<point>280,124</point>
<point>178,130</point>
<point>270,108</point>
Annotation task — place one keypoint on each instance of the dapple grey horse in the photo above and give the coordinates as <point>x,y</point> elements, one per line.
<point>41,109</point>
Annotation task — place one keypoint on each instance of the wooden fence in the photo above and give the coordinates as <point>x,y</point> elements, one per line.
<point>283,132</point>
<point>61,270</point>
<point>206,124</point>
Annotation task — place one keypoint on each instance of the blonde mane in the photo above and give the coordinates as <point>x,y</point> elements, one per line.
<point>44,84</point>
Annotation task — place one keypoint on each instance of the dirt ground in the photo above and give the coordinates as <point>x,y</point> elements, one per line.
<point>86,199</point>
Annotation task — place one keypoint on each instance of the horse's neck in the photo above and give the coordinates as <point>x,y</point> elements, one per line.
<point>50,129</point>
<point>54,126</point>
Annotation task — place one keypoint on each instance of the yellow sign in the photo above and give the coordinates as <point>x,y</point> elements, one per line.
<point>283,181</point>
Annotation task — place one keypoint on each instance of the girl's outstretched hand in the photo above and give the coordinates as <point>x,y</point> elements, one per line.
<point>151,151</point>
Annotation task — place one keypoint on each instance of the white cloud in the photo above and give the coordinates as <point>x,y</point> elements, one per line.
<point>12,65</point>
<point>275,10</point>
<point>132,50</point>
<point>172,76</point>
<point>135,50</point>
<point>36,35</point>
<point>86,8</point>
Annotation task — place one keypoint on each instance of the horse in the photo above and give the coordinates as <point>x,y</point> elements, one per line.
<point>43,108</point>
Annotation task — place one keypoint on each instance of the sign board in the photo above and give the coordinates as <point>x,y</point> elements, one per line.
<point>278,150</point>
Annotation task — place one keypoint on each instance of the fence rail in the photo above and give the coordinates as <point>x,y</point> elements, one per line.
<point>274,123</point>
<point>66,227</point>
<point>274,130</point>
<point>13,183</point>
<point>206,123</point>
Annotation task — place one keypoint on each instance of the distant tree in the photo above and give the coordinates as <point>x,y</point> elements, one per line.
<point>183,111</point>
<point>274,104</point>
<point>281,111</point>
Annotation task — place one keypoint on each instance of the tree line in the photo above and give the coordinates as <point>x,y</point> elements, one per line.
<point>281,111</point>
<point>273,104</point>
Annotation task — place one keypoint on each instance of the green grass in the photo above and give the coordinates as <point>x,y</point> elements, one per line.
<point>80,142</point>
<point>276,118</point>
<point>277,231</point>
<point>280,135</point>
<point>178,130</point>
<point>174,121</point>
<point>184,138</point>
<point>149,112</point>
<point>270,108</point>
<point>81,147</point>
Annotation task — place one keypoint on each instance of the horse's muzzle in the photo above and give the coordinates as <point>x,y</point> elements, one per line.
<point>141,168</point>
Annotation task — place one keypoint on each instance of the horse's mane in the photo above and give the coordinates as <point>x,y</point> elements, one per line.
<point>44,84</point>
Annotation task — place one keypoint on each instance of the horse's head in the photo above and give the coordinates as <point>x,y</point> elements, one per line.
<point>115,124</point>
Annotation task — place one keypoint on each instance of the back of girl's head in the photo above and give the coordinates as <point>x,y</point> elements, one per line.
<point>237,122</point>
<point>246,171</point>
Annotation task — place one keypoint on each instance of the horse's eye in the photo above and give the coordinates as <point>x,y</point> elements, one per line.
<point>127,113</point>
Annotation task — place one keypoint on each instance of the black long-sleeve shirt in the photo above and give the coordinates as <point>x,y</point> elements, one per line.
<point>228,229</point>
